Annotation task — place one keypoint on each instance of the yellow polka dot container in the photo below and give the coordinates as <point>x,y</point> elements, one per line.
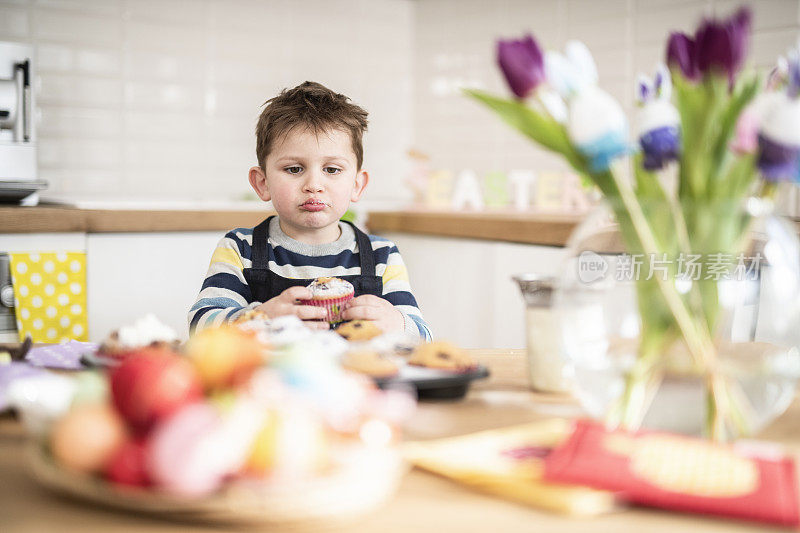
<point>50,292</point>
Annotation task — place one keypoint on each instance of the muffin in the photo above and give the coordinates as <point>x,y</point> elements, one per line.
<point>370,363</point>
<point>442,355</point>
<point>332,294</point>
<point>147,332</point>
<point>358,330</point>
<point>251,315</point>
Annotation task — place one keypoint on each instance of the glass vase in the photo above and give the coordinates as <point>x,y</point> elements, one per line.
<point>733,272</point>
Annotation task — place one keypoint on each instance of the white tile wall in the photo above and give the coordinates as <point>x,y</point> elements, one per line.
<point>626,37</point>
<point>147,99</point>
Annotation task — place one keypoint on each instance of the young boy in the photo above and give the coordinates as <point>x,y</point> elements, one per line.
<point>308,144</point>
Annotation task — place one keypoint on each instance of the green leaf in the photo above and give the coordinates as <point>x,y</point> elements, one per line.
<point>648,187</point>
<point>744,92</point>
<point>692,103</point>
<point>740,173</point>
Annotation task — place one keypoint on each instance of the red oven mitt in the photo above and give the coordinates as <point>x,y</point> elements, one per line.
<point>752,481</point>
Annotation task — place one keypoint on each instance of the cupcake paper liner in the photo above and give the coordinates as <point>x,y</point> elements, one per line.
<point>334,306</point>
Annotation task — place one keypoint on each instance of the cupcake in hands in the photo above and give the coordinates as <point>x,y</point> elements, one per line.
<point>332,294</point>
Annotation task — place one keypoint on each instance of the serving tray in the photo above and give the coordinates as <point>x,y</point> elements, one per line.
<point>362,480</point>
<point>433,384</point>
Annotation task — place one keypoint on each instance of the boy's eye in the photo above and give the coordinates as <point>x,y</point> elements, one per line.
<point>293,170</point>
<point>332,170</point>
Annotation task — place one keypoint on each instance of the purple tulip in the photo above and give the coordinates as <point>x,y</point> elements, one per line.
<point>722,45</point>
<point>681,54</point>
<point>718,46</point>
<point>522,63</point>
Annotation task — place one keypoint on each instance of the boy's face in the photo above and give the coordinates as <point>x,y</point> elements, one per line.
<point>311,180</point>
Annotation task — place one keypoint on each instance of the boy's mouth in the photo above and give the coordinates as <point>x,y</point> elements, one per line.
<point>313,205</point>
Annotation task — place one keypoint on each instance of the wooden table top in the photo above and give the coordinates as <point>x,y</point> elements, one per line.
<point>424,502</point>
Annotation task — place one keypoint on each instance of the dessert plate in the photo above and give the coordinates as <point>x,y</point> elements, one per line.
<point>364,479</point>
<point>434,384</point>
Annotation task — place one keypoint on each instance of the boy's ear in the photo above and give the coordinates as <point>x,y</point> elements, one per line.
<point>362,178</point>
<point>258,181</point>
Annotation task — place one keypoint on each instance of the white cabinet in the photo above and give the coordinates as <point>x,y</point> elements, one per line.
<point>132,274</point>
<point>42,242</point>
<point>464,286</point>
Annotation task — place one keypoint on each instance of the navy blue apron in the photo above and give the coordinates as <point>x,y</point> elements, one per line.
<point>265,284</point>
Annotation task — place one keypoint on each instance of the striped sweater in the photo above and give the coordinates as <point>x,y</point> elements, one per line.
<point>225,293</point>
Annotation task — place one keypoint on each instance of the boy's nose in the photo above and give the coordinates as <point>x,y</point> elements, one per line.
<point>313,183</point>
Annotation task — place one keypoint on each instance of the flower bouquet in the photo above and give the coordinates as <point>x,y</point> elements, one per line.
<point>701,123</point>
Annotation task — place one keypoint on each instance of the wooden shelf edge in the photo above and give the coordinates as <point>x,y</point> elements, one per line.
<point>524,228</point>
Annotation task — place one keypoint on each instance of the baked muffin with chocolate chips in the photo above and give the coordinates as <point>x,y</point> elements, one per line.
<point>252,315</point>
<point>442,355</point>
<point>359,330</point>
<point>370,363</point>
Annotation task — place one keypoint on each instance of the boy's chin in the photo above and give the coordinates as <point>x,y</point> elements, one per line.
<point>319,220</point>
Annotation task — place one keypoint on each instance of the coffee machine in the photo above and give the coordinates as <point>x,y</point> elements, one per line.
<point>19,180</point>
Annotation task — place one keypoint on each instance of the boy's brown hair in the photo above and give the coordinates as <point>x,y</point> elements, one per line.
<point>312,105</point>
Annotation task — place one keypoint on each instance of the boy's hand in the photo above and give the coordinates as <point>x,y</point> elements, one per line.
<point>380,311</point>
<point>286,304</point>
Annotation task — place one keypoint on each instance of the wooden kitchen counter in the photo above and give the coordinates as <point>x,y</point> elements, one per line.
<point>509,226</point>
<point>424,503</point>
<point>58,219</point>
<point>545,229</point>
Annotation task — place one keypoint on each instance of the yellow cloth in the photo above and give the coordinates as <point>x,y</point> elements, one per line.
<point>478,461</point>
<point>50,291</point>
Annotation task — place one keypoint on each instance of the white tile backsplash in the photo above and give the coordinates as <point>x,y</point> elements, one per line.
<point>768,44</point>
<point>75,27</point>
<point>102,7</point>
<point>72,90</point>
<point>140,125</point>
<point>86,153</point>
<point>14,22</point>
<point>68,122</point>
<point>166,38</point>
<point>167,97</point>
<point>770,14</point>
<point>156,84</point>
<point>654,25</point>
<point>157,65</point>
<point>184,12</point>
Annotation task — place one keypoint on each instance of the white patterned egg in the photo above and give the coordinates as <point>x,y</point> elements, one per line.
<point>781,121</point>
<point>592,114</point>
<point>657,114</point>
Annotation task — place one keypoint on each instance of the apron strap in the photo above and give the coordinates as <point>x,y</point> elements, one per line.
<point>365,255</point>
<point>260,255</point>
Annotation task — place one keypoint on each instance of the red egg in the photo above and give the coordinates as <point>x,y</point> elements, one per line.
<point>127,466</point>
<point>152,384</point>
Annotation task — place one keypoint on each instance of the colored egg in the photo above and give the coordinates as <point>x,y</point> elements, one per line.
<point>87,436</point>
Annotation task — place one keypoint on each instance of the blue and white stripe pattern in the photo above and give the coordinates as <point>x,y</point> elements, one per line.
<point>225,293</point>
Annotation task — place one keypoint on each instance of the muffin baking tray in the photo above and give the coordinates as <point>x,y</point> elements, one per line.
<point>433,384</point>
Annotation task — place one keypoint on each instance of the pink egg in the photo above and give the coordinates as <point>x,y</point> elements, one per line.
<point>178,456</point>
